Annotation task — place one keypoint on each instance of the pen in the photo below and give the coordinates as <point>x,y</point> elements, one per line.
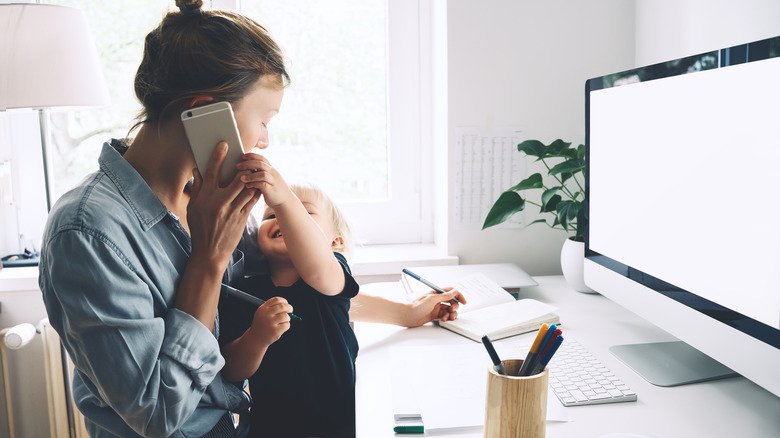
<point>249,298</point>
<point>554,344</point>
<point>494,356</point>
<point>427,283</point>
<point>534,350</point>
<point>534,360</point>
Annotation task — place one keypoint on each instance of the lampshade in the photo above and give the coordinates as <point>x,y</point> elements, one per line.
<point>48,58</point>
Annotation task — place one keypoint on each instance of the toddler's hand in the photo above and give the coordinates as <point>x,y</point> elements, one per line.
<point>265,178</point>
<point>434,307</point>
<point>271,320</point>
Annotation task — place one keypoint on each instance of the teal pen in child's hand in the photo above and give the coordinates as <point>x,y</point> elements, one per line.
<point>250,298</point>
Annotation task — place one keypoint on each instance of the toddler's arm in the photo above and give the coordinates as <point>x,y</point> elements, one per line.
<point>308,247</point>
<point>243,355</point>
<point>425,308</point>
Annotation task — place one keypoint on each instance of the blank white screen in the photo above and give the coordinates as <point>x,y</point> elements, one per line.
<point>697,182</point>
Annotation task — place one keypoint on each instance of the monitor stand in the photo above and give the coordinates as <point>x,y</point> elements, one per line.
<point>671,363</point>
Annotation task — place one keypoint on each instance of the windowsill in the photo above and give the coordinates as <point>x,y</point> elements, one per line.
<point>17,279</point>
<point>384,262</point>
<point>369,264</point>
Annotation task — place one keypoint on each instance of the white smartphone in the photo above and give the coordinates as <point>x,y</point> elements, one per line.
<point>206,126</point>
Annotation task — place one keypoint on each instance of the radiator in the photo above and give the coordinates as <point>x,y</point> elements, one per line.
<point>65,421</point>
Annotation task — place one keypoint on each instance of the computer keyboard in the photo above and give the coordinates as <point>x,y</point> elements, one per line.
<point>578,378</point>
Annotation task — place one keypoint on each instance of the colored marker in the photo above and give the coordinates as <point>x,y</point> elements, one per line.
<point>409,429</point>
<point>494,356</point>
<point>554,344</point>
<point>535,359</point>
<point>427,283</point>
<point>534,350</point>
<point>555,334</point>
<point>249,298</point>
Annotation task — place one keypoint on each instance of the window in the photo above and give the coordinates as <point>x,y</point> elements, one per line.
<point>350,121</point>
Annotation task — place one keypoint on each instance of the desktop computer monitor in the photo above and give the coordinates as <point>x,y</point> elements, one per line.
<point>682,195</point>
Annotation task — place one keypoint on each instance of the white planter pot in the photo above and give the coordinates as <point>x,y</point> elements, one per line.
<point>572,265</point>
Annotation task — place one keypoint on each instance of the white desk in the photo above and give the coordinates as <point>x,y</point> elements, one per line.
<point>727,408</point>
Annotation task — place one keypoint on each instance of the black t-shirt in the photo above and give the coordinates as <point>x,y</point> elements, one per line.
<point>305,386</point>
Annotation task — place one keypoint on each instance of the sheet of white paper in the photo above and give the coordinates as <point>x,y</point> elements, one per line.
<point>480,291</point>
<point>447,383</point>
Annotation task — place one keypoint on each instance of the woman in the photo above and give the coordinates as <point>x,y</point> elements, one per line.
<point>133,257</point>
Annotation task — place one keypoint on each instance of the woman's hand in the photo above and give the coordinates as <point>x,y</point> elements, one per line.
<point>217,215</point>
<point>271,320</point>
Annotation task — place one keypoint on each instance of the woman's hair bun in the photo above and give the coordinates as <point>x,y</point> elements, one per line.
<point>189,5</point>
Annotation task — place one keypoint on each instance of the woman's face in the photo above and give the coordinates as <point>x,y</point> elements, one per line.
<point>255,110</point>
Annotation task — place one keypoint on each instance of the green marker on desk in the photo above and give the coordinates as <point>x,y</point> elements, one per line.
<point>249,298</point>
<point>409,429</point>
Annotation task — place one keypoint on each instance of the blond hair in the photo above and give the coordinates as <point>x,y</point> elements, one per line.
<point>340,224</point>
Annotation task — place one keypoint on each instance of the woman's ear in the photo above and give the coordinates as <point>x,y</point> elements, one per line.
<point>200,101</point>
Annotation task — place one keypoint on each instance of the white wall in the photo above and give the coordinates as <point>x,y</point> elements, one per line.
<point>524,63</point>
<point>668,29</point>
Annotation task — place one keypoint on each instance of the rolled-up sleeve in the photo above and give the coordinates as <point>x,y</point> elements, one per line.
<point>149,363</point>
<point>197,352</point>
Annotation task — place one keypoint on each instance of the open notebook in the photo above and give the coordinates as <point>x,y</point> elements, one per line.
<point>492,311</point>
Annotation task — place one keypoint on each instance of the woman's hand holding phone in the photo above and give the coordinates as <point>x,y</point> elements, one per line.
<point>217,215</point>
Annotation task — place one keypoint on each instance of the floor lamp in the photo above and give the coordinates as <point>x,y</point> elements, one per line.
<point>48,60</point>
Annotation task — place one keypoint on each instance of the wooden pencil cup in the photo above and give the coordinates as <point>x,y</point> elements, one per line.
<point>515,407</point>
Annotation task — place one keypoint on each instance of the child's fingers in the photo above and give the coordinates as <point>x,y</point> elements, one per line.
<point>253,162</point>
<point>453,293</point>
<point>256,180</point>
<point>279,306</point>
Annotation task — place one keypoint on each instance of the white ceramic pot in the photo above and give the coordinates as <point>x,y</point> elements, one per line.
<point>572,265</point>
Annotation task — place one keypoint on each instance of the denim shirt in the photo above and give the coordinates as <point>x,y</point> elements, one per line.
<point>111,262</point>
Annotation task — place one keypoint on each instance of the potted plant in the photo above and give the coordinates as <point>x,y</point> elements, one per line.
<point>562,196</point>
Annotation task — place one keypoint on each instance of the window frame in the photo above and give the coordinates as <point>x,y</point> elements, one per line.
<point>403,218</point>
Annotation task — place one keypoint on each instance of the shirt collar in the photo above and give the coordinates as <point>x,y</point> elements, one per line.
<point>147,207</point>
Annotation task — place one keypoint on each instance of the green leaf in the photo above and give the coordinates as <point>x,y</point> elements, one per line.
<point>506,205</point>
<point>534,148</point>
<point>579,232</point>
<point>550,199</point>
<point>569,154</point>
<point>581,152</point>
<point>567,212</point>
<point>569,166</point>
<point>532,182</point>
<point>557,148</point>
